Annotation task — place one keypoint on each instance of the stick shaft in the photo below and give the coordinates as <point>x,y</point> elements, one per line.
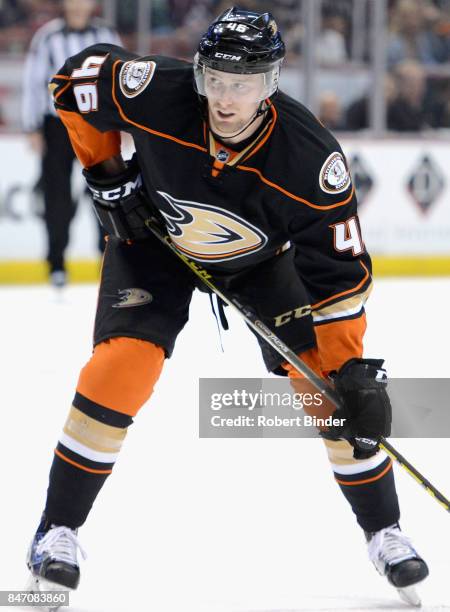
<point>264,332</point>
<point>411,470</point>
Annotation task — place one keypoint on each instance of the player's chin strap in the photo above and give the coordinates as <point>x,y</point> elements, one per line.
<point>261,110</point>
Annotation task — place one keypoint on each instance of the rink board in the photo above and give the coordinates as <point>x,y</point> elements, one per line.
<point>404,207</point>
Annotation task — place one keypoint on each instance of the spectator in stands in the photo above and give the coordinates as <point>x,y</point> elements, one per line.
<point>438,95</point>
<point>358,113</point>
<point>441,28</point>
<point>330,111</point>
<point>331,46</point>
<point>50,47</point>
<point>161,19</point>
<point>11,12</point>
<point>412,34</point>
<point>178,9</point>
<point>194,21</point>
<point>443,100</point>
<point>289,20</point>
<point>408,112</point>
<point>287,12</point>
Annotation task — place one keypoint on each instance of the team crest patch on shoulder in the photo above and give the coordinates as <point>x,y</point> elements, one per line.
<point>334,175</point>
<point>135,76</point>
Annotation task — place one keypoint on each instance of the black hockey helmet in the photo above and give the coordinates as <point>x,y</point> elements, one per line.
<point>242,42</point>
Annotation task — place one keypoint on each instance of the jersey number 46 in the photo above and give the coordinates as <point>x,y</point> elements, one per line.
<point>86,94</point>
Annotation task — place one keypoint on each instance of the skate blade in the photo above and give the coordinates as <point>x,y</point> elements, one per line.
<point>36,584</point>
<point>410,596</point>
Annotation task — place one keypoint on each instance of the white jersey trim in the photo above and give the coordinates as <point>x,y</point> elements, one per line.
<point>338,315</point>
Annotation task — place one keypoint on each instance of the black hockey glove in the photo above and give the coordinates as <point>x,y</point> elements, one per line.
<point>362,383</point>
<point>120,202</point>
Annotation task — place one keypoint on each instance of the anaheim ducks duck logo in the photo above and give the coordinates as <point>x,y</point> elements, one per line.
<point>209,233</point>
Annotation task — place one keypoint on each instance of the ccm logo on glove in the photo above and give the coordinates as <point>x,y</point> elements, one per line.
<point>122,191</point>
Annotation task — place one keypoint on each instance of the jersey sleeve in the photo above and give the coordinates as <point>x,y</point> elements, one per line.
<point>83,95</point>
<point>333,263</point>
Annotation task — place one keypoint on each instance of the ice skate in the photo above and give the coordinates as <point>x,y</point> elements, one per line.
<point>58,279</point>
<point>394,557</point>
<point>52,559</point>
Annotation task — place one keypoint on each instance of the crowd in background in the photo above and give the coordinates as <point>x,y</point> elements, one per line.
<point>417,85</point>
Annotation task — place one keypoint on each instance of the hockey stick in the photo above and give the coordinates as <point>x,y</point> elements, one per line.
<point>264,332</point>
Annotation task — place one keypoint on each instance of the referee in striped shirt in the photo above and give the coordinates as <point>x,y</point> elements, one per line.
<point>51,45</point>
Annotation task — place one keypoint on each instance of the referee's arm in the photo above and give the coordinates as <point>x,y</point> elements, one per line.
<point>35,97</point>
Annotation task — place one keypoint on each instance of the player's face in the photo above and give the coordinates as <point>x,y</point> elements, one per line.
<point>233,99</point>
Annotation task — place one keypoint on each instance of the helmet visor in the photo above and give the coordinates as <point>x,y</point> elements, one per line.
<point>249,87</point>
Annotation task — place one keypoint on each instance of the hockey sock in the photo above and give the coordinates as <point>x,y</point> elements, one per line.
<point>84,458</point>
<point>112,387</point>
<point>368,485</point>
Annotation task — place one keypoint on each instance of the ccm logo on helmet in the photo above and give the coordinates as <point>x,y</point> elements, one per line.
<point>227,56</point>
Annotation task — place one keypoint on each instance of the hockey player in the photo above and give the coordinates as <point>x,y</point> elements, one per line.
<point>249,183</point>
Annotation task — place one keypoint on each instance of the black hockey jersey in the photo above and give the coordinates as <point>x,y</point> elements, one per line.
<point>228,210</point>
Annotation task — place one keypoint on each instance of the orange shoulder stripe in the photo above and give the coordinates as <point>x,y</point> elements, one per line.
<point>293,196</point>
<point>143,127</point>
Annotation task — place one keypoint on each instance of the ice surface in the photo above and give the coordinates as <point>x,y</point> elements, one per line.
<point>213,525</point>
